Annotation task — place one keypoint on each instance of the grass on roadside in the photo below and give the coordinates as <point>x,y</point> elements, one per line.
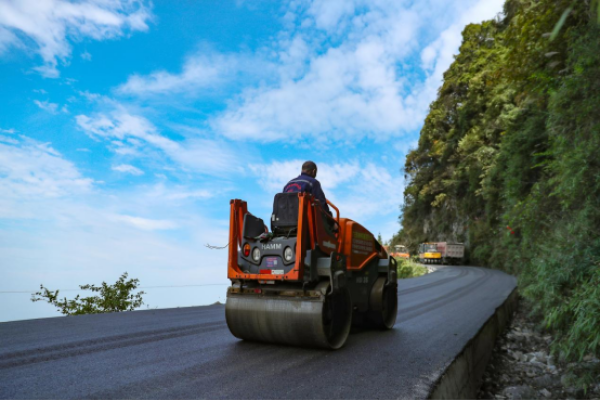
<point>408,268</point>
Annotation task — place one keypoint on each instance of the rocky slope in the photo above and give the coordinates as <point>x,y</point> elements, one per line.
<point>522,367</point>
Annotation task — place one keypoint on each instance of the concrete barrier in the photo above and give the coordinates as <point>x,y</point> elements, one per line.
<point>463,377</point>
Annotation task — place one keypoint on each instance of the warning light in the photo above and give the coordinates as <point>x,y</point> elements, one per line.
<point>246,250</point>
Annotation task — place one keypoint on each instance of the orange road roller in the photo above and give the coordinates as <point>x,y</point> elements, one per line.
<point>307,280</point>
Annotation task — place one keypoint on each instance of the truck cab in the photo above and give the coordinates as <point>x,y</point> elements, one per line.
<point>429,253</point>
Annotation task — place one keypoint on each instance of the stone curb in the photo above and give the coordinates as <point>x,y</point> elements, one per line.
<point>463,377</point>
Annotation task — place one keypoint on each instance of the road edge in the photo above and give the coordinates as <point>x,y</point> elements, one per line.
<point>463,377</point>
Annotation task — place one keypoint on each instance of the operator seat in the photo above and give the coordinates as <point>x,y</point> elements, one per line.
<point>284,220</point>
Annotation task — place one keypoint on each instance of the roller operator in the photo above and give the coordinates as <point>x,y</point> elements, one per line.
<point>307,182</point>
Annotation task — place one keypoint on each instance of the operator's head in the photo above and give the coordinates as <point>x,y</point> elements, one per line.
<point>310,168</point>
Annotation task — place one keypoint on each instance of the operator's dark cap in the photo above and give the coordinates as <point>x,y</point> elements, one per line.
<point>308,166</point>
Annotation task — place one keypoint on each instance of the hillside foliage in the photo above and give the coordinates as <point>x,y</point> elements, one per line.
<point>508,161</point>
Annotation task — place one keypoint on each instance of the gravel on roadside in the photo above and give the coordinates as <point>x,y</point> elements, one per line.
<point>522,367</point>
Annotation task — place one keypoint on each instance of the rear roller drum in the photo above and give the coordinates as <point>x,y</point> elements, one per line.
<point>383,305</point>
<point>322,322</point>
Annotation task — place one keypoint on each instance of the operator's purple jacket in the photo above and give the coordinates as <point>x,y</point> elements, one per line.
<point>305,183</point>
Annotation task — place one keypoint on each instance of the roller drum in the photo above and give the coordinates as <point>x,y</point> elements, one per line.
<point>383,305</point>
<point>302,321</point>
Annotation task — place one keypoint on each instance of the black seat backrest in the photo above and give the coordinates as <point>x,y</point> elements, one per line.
<point>253,226</point>
<point>284,219</point>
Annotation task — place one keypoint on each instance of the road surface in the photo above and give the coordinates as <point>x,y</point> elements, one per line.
<point>189,352</point>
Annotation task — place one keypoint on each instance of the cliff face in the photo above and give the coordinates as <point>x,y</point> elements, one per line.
<point>508,159</point>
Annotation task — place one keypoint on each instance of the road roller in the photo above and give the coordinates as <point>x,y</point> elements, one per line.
<point>307,280</point>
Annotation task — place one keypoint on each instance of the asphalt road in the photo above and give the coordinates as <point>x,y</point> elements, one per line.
<point>189,352</point>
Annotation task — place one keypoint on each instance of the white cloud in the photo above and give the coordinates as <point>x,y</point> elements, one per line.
<point>199,71</point>
<point>8,131</point>
<point>52,108</point>
<point>327,15</point>
<point>121,125</point>
<point>51,23</point>
<point>147,224</point>
<point>86,56</point>
<point>7,139</point>
<point>129,169</point>
<point>32,170</point>
<point>47,106</point>
<point>374,191</point>
<point>345,94</point>
<point>181,193</point>
<point>7,39</point>
<point>203,73</point>
<point>348,60</point>
<point>134,132</point>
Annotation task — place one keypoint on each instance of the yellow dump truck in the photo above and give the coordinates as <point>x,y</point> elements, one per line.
<point>441,253</point>
<point>429,253</point>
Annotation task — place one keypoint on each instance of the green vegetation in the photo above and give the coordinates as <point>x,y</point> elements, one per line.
<point>508,161</point>
<point>113,298</point>
<point>408,268</point>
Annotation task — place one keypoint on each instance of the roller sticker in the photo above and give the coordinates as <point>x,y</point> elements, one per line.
<point>362,243</point>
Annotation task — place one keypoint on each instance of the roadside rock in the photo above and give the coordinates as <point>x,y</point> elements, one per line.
<point>517,355</point>
<point>522,367</point>
<point>519,393</point>
<point>545,381</point>
<point>541,356</point>
<point>529,370</point>
<point>553,369</point>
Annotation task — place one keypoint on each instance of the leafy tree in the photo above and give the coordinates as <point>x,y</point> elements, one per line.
<point>112,298</point>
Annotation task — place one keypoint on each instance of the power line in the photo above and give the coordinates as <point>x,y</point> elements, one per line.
<point>138,288</point>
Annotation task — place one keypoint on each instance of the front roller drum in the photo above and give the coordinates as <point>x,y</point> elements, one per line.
<point>302,321</point>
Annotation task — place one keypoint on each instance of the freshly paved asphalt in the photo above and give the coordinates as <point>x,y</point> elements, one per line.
<point>189,352</point>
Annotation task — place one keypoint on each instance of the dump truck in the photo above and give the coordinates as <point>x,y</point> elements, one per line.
<point>441,253</point>
<point>429,253</point>
<point>309,278</point>
<point>451,253</point>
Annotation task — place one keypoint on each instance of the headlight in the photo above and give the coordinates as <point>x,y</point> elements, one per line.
<point>288,254</point>
<point>256,254</point>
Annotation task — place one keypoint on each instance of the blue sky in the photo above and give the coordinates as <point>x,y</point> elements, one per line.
<point>127,126</point>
